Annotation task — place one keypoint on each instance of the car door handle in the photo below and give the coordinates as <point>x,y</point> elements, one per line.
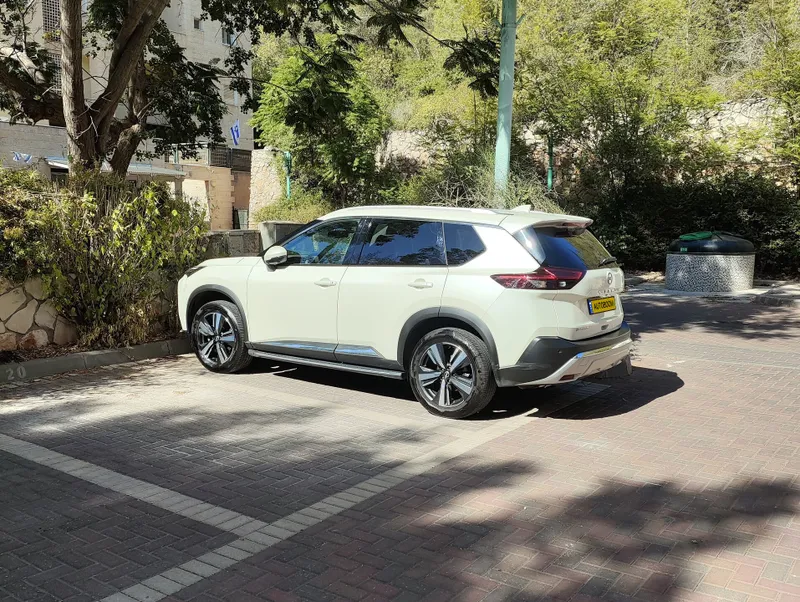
<point>421,284</point>
<point>325,283</point>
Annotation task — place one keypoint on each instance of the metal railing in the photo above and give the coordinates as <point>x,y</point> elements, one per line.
<point>236,159</point>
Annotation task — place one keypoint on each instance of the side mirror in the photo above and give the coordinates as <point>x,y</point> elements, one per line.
<point>275,256</point>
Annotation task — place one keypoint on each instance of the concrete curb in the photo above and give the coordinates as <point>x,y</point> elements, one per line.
<point>86,360</point>
<point>777,301</point>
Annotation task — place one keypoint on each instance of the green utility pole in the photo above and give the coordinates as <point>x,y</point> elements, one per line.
<point>287,163</point>
<point>508,42</point>
<point>550,163</point>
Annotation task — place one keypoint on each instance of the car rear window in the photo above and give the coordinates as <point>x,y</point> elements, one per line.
<point>564,247</point>
<point>463,243</point>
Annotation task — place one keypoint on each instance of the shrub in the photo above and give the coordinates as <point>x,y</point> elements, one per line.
<point>639,226</point>
<point>22,193</point>
<point>303,207</point>
<point>112,253</point>
<point>106,251</point>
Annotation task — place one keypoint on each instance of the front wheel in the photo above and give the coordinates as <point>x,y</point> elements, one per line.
<point>218,337</point>
<point>451,373</point>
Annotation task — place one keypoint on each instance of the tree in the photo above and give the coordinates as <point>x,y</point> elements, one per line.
<point>163,95</point>
<point>327,118</point>
<point>776,26</point>
<point>618,80</point>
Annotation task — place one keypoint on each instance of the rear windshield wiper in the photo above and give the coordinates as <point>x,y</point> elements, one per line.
<point>607,260</point>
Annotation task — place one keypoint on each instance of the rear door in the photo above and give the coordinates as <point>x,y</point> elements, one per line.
<point>591,307</point>
<point>401,269</point>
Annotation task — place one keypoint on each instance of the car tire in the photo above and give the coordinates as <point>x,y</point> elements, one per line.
<point>451,373</point>
<point>218,337</point>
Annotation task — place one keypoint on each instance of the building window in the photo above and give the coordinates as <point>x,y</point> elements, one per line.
<point>198,24</point>
<point>51,16</point>
<point>237,100</point>
<point>54,60</point>
<point>229,37</point>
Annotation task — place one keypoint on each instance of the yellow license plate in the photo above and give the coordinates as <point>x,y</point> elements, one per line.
<point>599,306</point>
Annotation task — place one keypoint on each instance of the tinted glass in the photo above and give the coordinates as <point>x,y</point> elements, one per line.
<point>294,231</point>
<point>463,243</point>
<point>325,244</point>
<point>403,242</point>
<point>564,248</point>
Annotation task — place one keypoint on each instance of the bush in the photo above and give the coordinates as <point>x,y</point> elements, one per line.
<point>639,226</point>
<point>106,251</point>
<point>22,193</point>
<point>303,207</point>
<point>111,255</point>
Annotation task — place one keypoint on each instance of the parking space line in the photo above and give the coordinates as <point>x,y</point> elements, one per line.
<point>177,503</point>
<point>267,536</point>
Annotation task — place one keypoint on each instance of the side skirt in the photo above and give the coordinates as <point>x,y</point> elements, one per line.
<point>304,361</point>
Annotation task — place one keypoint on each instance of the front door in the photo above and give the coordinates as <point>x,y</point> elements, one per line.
<point>400,271</point>
<point>292,308</point>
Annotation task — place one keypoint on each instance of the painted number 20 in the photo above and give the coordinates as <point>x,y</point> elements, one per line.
<point>12,374</point>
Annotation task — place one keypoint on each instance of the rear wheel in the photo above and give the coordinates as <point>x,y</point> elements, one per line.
<point>451,373</point>
<point>218,337</point>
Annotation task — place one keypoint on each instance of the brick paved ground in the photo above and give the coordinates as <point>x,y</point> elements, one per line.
<point>163,481</point>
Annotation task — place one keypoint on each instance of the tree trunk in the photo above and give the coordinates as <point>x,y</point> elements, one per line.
<point>129,141</point>
<point>79,123</point>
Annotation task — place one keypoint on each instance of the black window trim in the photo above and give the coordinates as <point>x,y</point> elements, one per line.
<point>361,239</point>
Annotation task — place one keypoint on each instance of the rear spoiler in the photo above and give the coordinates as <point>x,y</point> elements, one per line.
<point>556,221</point>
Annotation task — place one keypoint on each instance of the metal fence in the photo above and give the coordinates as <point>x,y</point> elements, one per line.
<point>214,156</point>
<point>232,158</point>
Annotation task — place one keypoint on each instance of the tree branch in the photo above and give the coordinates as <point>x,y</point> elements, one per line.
<point>34,104</point>
<point>25,62</point>
<point>128,49</point>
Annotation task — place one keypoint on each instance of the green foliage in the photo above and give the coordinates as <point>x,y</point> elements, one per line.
<point>461,174</point>
<point>22,194</point>
<point>619,80</point>
<point>303,207</point>
<point>640,228</point>
<point>777,76</point>
<point>110,256</point>
<point>106,251</point>
<point>323,112</point>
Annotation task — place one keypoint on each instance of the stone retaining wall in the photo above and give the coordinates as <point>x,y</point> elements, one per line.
<point>28,319</point>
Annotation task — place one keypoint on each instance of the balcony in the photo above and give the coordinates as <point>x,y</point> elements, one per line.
<point>236,159</point>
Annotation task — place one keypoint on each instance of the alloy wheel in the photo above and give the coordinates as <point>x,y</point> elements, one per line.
<point>446,375</point>
<point>215,338</point>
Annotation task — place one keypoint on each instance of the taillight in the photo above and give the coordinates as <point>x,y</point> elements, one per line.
<point>542,279</point>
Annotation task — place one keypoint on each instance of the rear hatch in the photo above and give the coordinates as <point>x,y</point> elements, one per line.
<point>587,299</point>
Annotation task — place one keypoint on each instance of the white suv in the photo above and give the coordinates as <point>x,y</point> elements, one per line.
<point>458,301</point>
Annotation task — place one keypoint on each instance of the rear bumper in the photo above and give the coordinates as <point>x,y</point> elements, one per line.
<point>550,360</point>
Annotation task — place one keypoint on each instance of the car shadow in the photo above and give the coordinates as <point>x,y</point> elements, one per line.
<point>585,400</point>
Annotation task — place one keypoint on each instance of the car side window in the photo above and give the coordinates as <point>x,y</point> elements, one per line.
<point>463,243</point>
<point>324,244</point>
<point>403,242</point>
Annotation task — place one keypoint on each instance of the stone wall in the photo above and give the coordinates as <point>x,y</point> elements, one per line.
<point>28,320</point>
<point>233,243</point>
<point>267,182</point>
